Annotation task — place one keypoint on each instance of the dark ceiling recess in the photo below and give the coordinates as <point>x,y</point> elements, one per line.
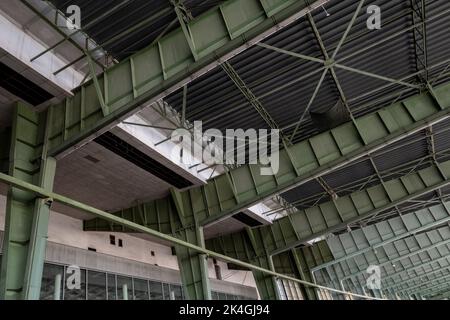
<point>242,217</point>
<point>120,147</point>
<point>21,87</point>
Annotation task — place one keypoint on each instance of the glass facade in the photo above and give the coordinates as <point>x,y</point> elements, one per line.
<point>97,285</point>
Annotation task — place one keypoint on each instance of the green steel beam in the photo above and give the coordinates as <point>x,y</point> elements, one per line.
<point>222,197</point>
<point>169,64</point>
<point>410,283</point>
<point>309,159</point>
<point>113,219</point>
<point>401,257</point>
<point>26,221</point>
<point>405,271</point>
<point>425,287</point>
<point>435,291</point>
<point>442,212</point>
<point>439,294</point>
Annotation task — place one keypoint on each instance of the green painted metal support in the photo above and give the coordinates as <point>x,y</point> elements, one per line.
<point>307,160</point>
<point>302,226</point>
<point>266,284</point>
<point>27,217</point>
<point>193,266</point>
<point>428,286</point>
<point>129,225</point>
<point>302,262</point>
<point>167,65</point>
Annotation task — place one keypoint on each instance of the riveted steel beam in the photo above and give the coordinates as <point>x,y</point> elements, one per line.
<point>408,283</point>
<point>423,288</point>
<point>416,251</point>
<point>169,64</point>
<point>26,220</point>
<point>405,226</point>
<point>307,160</point>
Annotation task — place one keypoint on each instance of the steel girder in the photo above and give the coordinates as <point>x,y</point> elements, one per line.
<point>420,262</point>
<point>425,288</point>
<point>408,282</point>
<point>406,259</point>
<point>239,188</point>
<point>442,293</point>
<point>352,250</point>
<point>349,245</point>
<point>26,221</point>
<point>170,63</point>
<point>422,280</point>
<point>242,187</point>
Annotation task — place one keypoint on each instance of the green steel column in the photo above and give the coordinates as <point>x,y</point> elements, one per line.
<point>193,266</point>
<point>266,284</point>
<point>304,273</point>
<point>26,218</point>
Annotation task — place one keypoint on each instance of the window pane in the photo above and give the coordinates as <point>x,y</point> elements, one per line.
<point>48,281</point>
<point>112,287</point>
<point>166,291</point>
<point>222,296</point>
<point>121,283</point>
<point>75,293</point>
<point>140,289</point>
<point>155,290</point>
<point>96,285</point>
<point>215,295</point>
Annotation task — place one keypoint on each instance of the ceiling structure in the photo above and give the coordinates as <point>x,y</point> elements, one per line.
<point>299,81</point>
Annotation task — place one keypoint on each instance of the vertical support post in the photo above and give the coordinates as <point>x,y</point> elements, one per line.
<point>266,284</point>
<point>194,267</point>
<point>26,220</point>
<point>57,291</point>
<point>302,270</point>
<point>125,291</point>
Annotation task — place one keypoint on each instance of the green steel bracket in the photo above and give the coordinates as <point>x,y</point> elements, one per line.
<point>26,220</point>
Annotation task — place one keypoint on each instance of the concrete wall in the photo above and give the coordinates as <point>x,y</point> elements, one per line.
<point>68,244</point>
